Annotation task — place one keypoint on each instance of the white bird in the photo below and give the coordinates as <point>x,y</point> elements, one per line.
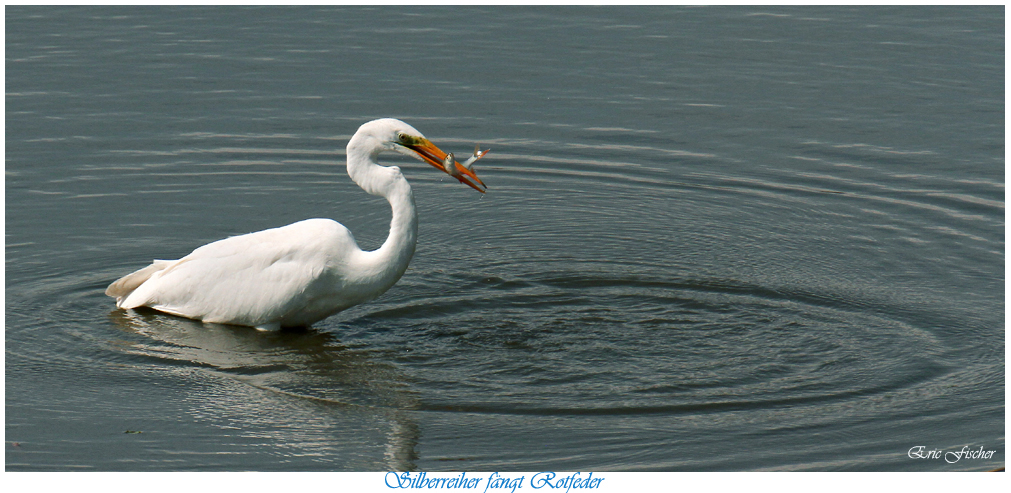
<point>298,274</point>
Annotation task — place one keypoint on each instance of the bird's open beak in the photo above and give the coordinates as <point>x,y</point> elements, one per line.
<point>431,154</point>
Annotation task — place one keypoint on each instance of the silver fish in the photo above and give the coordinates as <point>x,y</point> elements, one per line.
<point>478,154</point>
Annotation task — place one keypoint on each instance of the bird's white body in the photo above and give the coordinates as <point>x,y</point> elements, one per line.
<point>297,274</point>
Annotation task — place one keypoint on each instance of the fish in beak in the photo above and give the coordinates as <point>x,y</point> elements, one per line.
<point>431,154</point>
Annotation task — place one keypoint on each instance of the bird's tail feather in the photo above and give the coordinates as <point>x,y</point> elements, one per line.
<point>126,284</point>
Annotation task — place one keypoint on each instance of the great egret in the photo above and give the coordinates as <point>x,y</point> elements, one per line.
<point>298,274</point>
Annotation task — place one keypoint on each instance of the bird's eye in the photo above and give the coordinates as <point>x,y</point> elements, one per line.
<point>402,137</point>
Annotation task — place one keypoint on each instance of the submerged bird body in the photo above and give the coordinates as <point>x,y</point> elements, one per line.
<point>289,276</point>
<point>301,273</point>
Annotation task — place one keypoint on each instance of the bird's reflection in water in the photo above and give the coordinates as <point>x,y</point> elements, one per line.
<point>301,390</point>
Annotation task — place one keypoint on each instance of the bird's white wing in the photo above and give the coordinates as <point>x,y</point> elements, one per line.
<point>255,279</point>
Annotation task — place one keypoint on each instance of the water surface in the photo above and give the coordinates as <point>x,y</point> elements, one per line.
<point>714,238</point>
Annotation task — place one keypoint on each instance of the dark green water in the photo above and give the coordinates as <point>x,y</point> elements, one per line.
<point>714,238</point>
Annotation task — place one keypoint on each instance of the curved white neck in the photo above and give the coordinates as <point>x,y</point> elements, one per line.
<point>383,267</point>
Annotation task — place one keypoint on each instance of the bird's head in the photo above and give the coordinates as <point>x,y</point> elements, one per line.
<point>398,136</point>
